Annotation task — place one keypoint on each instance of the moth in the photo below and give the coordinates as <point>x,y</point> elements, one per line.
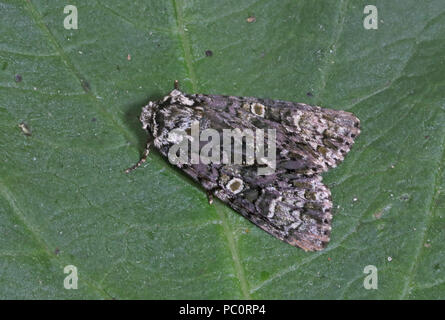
<point>290,202</point>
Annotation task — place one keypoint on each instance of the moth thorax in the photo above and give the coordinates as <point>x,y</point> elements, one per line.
<point>235,185</point>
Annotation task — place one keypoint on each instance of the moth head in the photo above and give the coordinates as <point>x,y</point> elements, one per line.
<point>173,112</point>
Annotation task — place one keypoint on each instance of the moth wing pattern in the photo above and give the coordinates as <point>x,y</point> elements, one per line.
<point>292,207</point>
<point>311,139</point>
<point>291,203</point>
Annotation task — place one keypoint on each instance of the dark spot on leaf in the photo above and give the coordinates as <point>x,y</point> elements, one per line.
<point>18,78</point>
<point>309,94</point>
<point>118,68</point>
<point>264,275</point>
<point>209,53</point>
<point>93,119</point>
<point>85,85</point>
<point>404,197</point>
<point>57,251</point>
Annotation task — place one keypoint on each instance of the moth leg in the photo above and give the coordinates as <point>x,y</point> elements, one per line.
<point>210,197</point>
<point>142,160</point>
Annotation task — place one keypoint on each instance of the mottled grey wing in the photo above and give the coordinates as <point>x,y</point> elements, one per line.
<point>309,139</point>
<point>292,207</point>
<point>292,203</point>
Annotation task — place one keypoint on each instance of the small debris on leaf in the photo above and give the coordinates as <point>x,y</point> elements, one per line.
<point>251,19</point>
<point>25,129</point>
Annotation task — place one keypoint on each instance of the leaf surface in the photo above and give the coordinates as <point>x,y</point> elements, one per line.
<point>64,199</point>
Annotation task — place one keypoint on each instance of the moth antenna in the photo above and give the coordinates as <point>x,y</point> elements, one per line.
<point>142,160</point>
<point>176,85</point>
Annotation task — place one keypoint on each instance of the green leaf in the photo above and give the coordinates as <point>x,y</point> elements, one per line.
<point>64,199</point>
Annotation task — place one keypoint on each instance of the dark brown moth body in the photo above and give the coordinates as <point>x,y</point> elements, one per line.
<point>291,203</point>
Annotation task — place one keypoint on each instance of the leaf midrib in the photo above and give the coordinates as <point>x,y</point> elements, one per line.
<point>185,43</point>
